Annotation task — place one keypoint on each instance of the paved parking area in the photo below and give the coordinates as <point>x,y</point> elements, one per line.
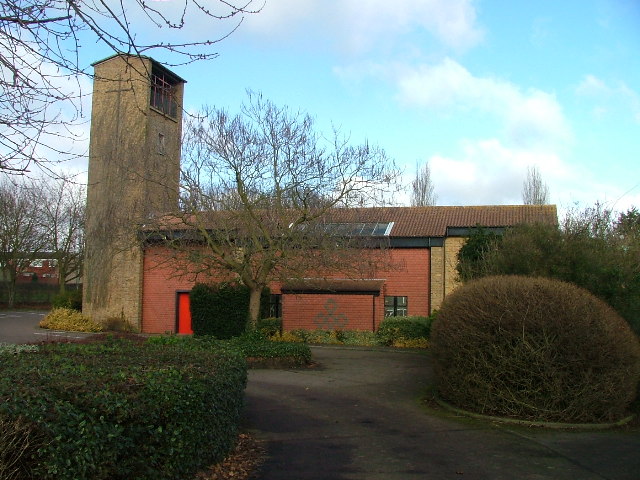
<point>18,326</point>
<point>358,417</point>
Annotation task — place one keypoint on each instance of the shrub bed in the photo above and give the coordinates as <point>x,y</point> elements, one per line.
<point>403,330</point>
<point>411,333</point>
<point>70,320</point>
<point>365,338</point>
<point>269,326</point>
<point>535,349</point>
<point>115,410</point>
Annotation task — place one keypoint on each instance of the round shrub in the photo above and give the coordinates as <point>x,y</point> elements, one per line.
<point>536,349</point>
<point>70,320</point>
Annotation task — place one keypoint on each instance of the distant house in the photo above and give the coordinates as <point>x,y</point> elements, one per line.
<point>42,269</point>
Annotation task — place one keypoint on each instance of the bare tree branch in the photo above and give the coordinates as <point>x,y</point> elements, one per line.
<point>262,193</point>
<point>422,188</point>
<point>534,190</point>
<point>39,54</point>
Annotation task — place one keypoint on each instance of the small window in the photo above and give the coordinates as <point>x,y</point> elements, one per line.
<point>36,263</point>
<point>163,93</point>
<point>395,307</point>
<point>275,306</point>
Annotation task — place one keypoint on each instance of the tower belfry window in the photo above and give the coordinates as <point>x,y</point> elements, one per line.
<point>163,92</point>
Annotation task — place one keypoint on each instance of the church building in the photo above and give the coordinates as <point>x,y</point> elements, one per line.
<point>134,170</point>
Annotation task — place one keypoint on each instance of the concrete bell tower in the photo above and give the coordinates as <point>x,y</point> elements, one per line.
<point>134,172</point>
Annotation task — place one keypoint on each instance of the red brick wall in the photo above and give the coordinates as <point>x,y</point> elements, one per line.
<point>162,281</point>
<point>406,273</point>
<point>327,312</point>
<point>409,277</point>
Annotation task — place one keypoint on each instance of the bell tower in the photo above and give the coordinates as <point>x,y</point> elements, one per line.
<point>134,172</point>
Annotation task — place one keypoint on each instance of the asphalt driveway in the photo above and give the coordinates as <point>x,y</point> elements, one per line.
<point>358,416</point>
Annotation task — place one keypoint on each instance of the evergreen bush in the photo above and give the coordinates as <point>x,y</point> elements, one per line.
<point>534,348</point>
<point>70,299</point>
<point>119,411</point>
<point>220,310</point>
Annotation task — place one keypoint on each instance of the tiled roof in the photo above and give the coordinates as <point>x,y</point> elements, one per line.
<point>433,221</point>
<point>416,222</point>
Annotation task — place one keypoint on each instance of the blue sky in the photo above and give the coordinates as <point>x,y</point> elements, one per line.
<point>479,89</point>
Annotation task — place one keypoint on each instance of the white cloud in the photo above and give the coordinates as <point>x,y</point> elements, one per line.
<point>531,119</point>
<point>487,172</point>
<point>609,99</point>
<point>360,25</point>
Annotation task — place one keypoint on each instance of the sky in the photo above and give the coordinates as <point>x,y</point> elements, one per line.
<point>481,90</point>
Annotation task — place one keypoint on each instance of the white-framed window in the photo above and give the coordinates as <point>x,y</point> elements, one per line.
<point>396,306</point>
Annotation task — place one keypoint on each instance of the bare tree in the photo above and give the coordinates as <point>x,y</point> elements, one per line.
<point>21,232</point>
<point>534,190</point>
<point>62,204</point>
<point>39,54</point>
<point>261,193</point>
<point>422,188</point>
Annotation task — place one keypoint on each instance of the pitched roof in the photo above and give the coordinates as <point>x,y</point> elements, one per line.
<point>434,221</point>
<point>408,222</point>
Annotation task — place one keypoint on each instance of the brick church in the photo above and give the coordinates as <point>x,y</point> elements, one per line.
<point>134,170</point>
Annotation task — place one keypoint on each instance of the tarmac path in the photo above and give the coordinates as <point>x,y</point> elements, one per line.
<point>358,416</point>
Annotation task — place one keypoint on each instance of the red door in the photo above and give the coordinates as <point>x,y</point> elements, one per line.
<point>184,313</point>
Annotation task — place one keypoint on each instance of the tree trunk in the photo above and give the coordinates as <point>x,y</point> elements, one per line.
<point>254,305</point>
<point>11,290</point>
<point>62,277</point>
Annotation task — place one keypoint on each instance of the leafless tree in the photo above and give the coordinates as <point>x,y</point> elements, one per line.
<point>41,71</point>
<point>262,191</point>
<point>534,190</point>
<point>21,232</point>
<point>62,203</point>
<point>422,188</point>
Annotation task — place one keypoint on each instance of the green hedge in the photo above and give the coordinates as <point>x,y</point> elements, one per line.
<point>120,411</point>
<point>403,328</point>
<point>222,309</point>
<point>249,345</point>
<point>71,300</point>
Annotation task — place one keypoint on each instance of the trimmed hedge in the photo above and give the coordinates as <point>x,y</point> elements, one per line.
<point>535,349</point>
<point>118,411</point>
<point>220,310</point>
<point>400,329</point>
<point>252,345</point>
